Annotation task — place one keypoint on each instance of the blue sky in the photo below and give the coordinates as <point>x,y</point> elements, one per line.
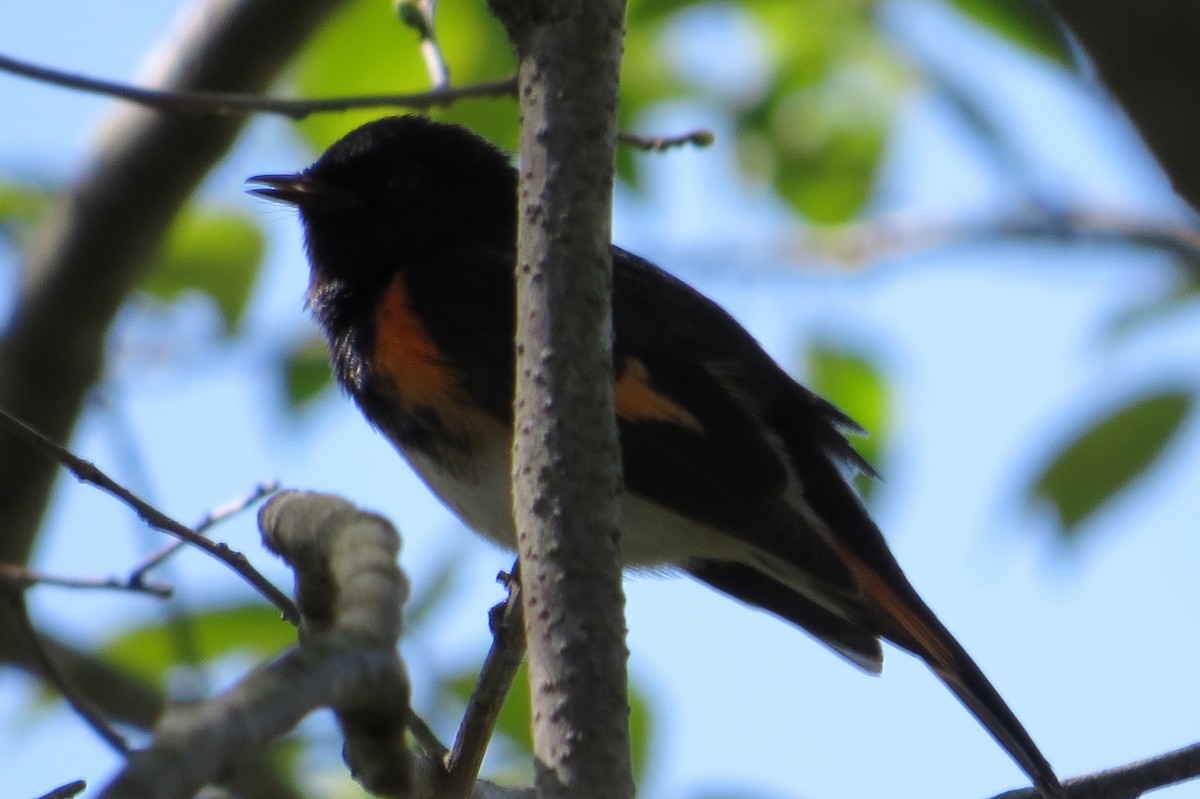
<point>991,352</point>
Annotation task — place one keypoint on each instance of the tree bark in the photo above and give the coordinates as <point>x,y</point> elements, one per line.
<point>566,460</point>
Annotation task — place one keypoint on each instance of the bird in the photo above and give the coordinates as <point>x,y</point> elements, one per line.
<point>734,473</point>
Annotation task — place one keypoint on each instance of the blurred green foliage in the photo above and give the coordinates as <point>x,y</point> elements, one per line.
<point>214,252</point>
<point>149,651</point>
<point>305,372</point>
<point>1110,454</point>
<point>812,120</point>
<point>515,724</point>
<point>366,49</point>
<point>854,381</point>
<point>21,206</point>
<point>812,123</point>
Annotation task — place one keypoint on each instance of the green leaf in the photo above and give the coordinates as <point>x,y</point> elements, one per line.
<point>515,723</point>
<point>641,731</point>
<point>365,49</point>
<point>21,207</point>
<point>306,372</point>
<point>852,381</point>
<point>215,252</point>
<point>1108,456</point>
<point>817,134</point>
<point>434,589</point>
<point>150,651</point>
<point>812,126</point>
<point>829,179</point>
<point>1028,23</point>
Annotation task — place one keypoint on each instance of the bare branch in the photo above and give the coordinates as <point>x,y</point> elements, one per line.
<point>418,15</point>
<point>350,592</point>
<point>866,241</point>
<point>232,508</point>
<point>1129,781</point>
<point>432,746</point>
<point>231,104</point>
<point>211,519</point>
<point>21,578</point>
<point>487,698</point>
<point>88,472</point>
<point>698,138</point>
<point>237,104</point>
<point>66,791</point>
<point>51,672</point>
<point>123,698</point>
<point>348,580</point>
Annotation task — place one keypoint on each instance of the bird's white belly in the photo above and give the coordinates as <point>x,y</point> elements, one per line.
<point>651,536</point>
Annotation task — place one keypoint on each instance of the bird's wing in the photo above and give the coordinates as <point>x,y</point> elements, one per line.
<point>691,391</point>
<point>735,444</point>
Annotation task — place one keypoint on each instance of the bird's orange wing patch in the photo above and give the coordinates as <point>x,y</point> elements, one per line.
<point>405,352</point>
<point>638,401</point>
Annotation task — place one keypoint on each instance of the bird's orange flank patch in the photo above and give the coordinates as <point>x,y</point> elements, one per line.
<point>638,401</point>
<point>406,354</point>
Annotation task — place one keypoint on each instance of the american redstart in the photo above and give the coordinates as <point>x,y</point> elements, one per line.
<point>734,472</point>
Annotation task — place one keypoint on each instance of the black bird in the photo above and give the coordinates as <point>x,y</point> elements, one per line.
<point>734,473</point>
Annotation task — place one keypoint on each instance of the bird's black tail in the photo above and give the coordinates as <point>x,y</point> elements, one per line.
<point>908,623</point>
<point>905,620</point>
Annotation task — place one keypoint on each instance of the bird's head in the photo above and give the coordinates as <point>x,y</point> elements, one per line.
<point>393,190</point>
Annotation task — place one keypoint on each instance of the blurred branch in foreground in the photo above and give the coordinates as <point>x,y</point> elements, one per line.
<point>350,593</point>
<point>890,235</point>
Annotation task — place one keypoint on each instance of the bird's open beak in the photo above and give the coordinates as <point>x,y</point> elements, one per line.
<point>294,189</point>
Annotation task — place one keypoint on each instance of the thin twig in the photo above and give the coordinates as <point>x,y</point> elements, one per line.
<point>697,138</point>
<point>66,791</point>
<point>88,472</point>
<point>236,506</point>
<point>22,578</point>
<point>426,738</point>
<point>435,64</point>
<point>235,104</point>
<point>495,680</point>
<point>52,674</point>
<point>418,15</point>
<point>214,517</point>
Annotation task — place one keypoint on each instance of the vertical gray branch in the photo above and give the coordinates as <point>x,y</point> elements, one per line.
<point>566,461</point>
